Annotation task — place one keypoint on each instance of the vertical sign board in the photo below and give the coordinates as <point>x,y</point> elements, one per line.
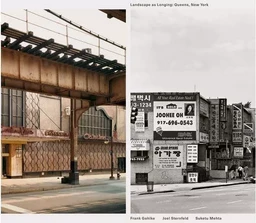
<point>175,116</point>
<point>192,153</point>
<point>214,121</point>
<point>143,102</point>
<point>140,122</point>
<point>223,119</point>
<point>237,116</point>
<point>223,109</point>
<point>167,157</point>
<point>204,107</point>
<point>237,124</point>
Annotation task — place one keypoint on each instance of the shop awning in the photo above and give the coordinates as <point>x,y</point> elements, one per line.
<point>139,158</point>
<point>140,144</point>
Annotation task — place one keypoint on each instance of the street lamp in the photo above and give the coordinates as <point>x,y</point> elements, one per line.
<point>111,156</point>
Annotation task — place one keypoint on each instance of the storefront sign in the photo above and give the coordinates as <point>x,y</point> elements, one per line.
<point>248,129</point>
<point>90,136</point>
<point>18,130</point>
<point>238,152</point>
<point>140,122</point>
<point>139,144</point>
<point>192,177</point>
<point>246,141</point>
<point>204,137</point>
<point>174,120</point>
<point>204,108</point>
<point>192,153</point>
<point>237,137</point>
<point>168,157</point>
<point>142,101</point>
<point>237,116</point>
<point>223,110</point>
<point>214,123</point>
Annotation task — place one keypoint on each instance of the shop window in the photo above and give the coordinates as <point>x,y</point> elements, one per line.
<point>12,107</point>
<point>95,122</point>
<point>142,153</point>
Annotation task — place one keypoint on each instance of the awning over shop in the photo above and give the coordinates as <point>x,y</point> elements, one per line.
<point>140,144</point>
<point>139,158</point>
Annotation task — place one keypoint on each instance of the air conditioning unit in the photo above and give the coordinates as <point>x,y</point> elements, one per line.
<point>67,111</point>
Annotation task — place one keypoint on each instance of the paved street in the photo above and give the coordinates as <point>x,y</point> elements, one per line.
<point>231,199</point>
<point>108,198</point>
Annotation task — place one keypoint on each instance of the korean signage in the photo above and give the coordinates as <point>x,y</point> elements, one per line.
<point>214,122</point>
<point>204,137</point>
<point>192,153</point>
<point>238,152</point>
<point>237,116</point>
<point>223,110</point>
<point>167,157</point>
<point>192,177</point>
<point>140,122</point>
<point>237,137</point>
<point>142,101</point>
<point>175,117</point>
<point>139,144</point>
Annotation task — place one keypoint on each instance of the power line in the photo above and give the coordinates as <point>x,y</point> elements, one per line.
<point>86,30</point>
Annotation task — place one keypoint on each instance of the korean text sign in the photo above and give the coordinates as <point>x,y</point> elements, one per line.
<point>168,157</point>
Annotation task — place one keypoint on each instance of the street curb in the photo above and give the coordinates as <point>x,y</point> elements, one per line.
<point>157,192</point>
<point>194,188</point>
<point>220,185</point>
<point>19,191</point>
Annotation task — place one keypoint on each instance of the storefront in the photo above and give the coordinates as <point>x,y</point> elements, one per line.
<point>172,126</point>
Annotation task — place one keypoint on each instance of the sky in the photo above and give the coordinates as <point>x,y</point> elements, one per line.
<point>210,50</point>
<point>91,19</point>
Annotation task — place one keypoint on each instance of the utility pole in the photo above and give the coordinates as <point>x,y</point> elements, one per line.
<point>111,154</point>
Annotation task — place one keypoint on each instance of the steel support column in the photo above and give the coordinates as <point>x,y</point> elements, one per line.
<point>73,174</point>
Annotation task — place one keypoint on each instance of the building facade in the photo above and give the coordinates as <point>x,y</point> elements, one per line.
<point>183,137</point>
<point>35,136</point>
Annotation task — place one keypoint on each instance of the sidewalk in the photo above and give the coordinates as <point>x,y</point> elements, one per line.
<point>164,188</point>
<point>11,186</point>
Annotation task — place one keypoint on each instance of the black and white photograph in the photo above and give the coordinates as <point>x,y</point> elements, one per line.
<point>193,83</point>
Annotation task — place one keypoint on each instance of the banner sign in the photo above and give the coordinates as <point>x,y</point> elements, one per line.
<point>237,116</point>
<point>204,137</point>
<point>214,123</point>
<point>192,153</point>
<point>168,157</point>
<point>142,101</point>
<point>140,122</point>
<point>238,152</point>
<point>193,177</point>
<point>246,141</point>
<point>139,144</point>
<point>174,120</point>
<point>204,108</point>
<point>237,137</point>
<point>223,110</point>
<point>248,129</point>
